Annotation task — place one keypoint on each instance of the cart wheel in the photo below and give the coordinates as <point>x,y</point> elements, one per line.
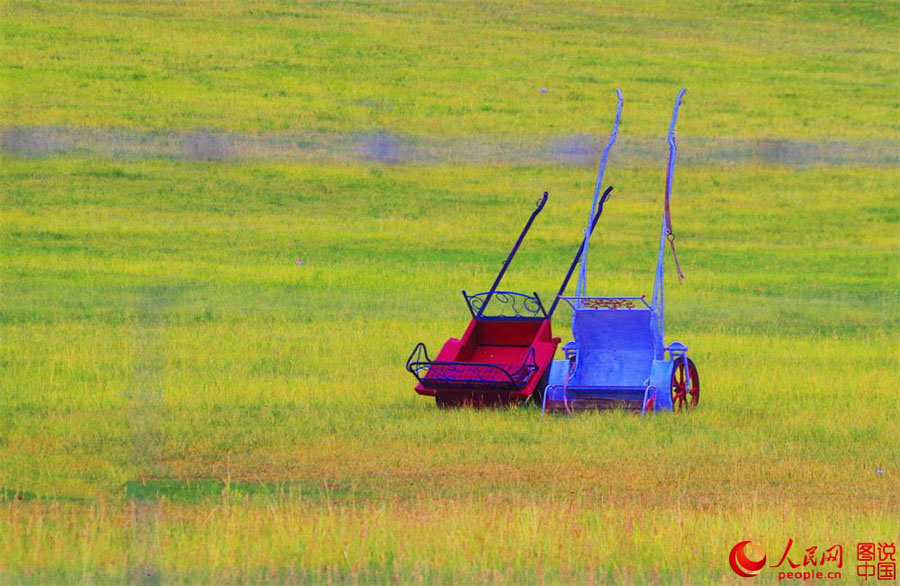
<point>683,398</point>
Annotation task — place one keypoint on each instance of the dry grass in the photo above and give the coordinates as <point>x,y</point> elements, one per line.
<point>180,402</point>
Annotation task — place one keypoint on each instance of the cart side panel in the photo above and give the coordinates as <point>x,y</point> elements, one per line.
<point>615,347</point>
<point>508,332</point>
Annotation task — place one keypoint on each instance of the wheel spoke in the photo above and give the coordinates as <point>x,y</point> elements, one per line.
<point>685,386</point>
<point>678,399</point>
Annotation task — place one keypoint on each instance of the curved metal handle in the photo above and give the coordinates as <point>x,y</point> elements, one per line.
<point>587,235</point>
<point>512,253</point>
<point>541,201</point>
<point>581,287</point>
<point>418,352</point>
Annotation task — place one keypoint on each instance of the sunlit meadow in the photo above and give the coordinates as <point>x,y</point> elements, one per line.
<point>182,402</point>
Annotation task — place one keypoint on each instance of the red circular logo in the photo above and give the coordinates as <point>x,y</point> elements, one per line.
<point>741,564</point>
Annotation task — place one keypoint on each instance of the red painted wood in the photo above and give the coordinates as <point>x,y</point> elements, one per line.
<point>504,343</point>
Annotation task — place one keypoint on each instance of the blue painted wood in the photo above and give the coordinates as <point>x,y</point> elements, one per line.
<point>661,384</point>
<point>616,348</point>
<point>618,355</point>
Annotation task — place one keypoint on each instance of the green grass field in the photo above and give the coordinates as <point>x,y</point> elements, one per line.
<point>180,402</point>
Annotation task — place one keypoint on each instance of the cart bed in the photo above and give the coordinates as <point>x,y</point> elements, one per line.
<point>503,358</point>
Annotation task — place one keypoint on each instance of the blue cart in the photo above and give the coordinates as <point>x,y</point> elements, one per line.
<point>618,358</point>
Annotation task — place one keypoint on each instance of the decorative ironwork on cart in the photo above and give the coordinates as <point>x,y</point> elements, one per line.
<point>505,304</point>
<point>444,374</point>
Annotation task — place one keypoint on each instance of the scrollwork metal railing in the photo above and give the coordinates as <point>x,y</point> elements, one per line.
<point>612,303</point>
<point>477,375</point>
<point>505,304</point>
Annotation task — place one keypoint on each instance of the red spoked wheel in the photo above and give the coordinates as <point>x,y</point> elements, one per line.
<point>685,396</point>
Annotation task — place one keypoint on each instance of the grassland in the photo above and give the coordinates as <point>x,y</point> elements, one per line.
<point>758,69</point>
<point>181,402</point>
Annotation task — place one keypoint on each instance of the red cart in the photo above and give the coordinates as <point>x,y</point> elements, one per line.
<point>504,354</point>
